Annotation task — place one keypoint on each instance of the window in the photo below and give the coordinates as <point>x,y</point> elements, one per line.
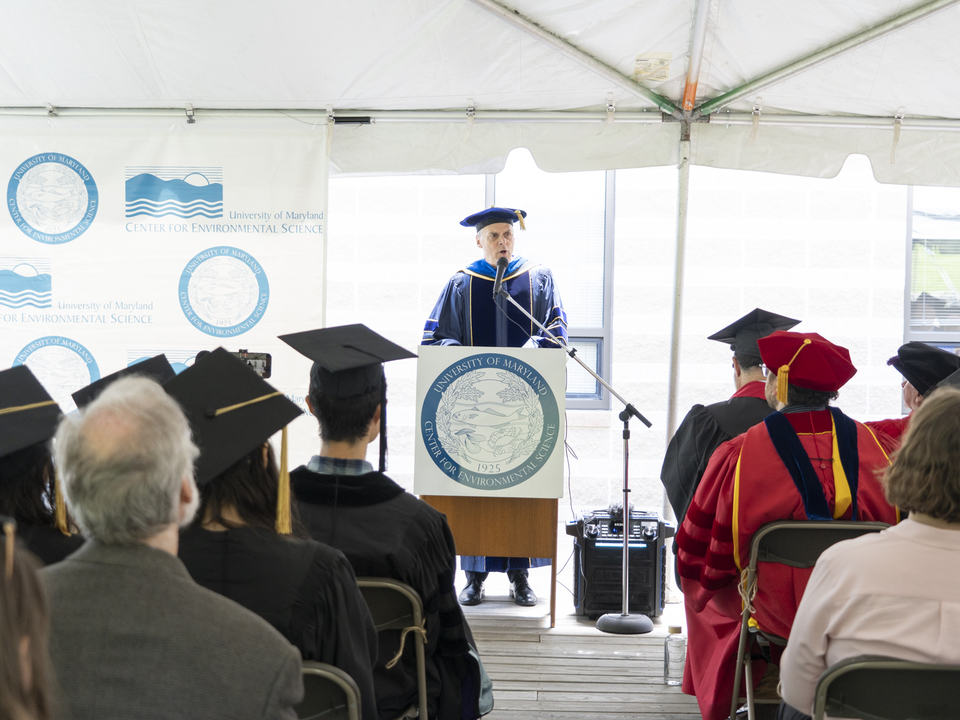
<point>569,229</point>
<point>932,312</point>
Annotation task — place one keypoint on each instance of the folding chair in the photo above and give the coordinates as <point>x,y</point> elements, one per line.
<point>328,694</point>
<point>397,606</point>
<point>881,688</point>
<point>796,543</point>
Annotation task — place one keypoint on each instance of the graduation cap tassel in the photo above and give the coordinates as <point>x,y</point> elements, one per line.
<point>59,507</point>
<point>783,374</point>
<point>284,523</point>
<point>9,530</point>
<point>520,218</point>
<point>383,426</point>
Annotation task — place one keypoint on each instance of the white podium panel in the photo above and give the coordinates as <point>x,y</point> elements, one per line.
<point>490,422</point>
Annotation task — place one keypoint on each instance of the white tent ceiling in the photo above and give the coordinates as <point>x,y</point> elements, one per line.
<point>540,74</point>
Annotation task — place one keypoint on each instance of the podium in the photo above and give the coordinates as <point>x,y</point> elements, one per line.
<point>499,526</point>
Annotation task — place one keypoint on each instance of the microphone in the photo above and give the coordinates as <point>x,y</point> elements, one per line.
<point>501,271</point>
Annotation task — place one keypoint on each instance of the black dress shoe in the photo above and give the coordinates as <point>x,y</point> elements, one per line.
<point>472,594</point>
<point>522,593</point>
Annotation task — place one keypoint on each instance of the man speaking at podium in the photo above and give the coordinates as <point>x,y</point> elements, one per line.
<point>467,313</point>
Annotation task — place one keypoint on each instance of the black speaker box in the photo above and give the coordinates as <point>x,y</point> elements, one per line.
<point>598,563</point>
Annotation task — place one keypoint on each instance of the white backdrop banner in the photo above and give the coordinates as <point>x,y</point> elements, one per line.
<point>125,238</point>
<point>490,422</point>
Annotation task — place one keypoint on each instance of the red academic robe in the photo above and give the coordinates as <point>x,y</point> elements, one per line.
<point>714,542</point>
<point>894,427</point>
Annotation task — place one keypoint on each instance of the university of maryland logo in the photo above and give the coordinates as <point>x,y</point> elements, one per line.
<point>490,421</point>
<point>52,198</point>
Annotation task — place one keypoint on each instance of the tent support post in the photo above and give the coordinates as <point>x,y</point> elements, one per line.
<point>683,187</point>
<point>828,53</point>
<point>579,56</point>
<point>698,38</point>
<point>324,238</point>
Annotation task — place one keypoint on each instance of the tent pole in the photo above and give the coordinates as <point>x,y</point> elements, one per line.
<point>698,38</point>
<point>648,117</point>
<point>683,187</point>
<point>324,238</point>
<point>828,53</point>
<point>579,56</point>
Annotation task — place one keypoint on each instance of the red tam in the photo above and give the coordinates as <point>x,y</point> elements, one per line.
<point>806,360</point>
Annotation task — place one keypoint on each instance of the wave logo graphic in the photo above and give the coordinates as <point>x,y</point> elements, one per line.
<point>62,366</point>
<point>183,192</point>
<point>25,282</point>
<point>52,198</point>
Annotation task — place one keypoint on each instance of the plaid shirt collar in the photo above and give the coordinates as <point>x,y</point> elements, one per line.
<point>338,466</point>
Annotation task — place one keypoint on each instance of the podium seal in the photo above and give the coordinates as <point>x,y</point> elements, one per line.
<point>490,421</point>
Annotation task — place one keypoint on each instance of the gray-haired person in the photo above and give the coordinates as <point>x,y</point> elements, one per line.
<point>132,635</point>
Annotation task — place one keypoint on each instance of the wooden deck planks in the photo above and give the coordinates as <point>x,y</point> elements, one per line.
<point>575,671</point>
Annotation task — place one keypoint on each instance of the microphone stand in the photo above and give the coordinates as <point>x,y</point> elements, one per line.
<point>623,623</point>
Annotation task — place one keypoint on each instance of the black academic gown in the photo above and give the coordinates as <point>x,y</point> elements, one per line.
<point>305,589</point>
<point>386,532</point>
<point>47,543</point>
<point>702,431</point>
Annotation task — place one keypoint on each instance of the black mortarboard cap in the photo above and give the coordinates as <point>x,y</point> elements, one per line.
<point>157,368</point>
<point>348,359</point>
<point>924,365</point>
<point>494,215</point>
<point>231,410</point>
<point>348,362</point>
<point>28,415</point>
<point>743,334</point>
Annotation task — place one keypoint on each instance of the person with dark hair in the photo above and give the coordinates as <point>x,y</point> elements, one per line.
<point>131,633</point>
<point>467,314</point>
<point>28,491</point>
<point>383,530</point>
<point>889,593</point>
<point>923,366</point>
<point>241,545</point>
<point>705,427</point>
<point>25,678</point>
<point>806,461</point>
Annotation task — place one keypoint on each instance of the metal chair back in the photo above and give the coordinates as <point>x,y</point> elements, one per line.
<point>796,543</point>
<point>397,606</point>
<point>882,688</point>
<point>328,694</point>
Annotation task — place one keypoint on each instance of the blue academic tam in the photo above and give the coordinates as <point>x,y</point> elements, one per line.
<point>494,215</point>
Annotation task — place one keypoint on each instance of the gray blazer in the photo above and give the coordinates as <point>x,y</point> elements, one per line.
<point>133,636</point>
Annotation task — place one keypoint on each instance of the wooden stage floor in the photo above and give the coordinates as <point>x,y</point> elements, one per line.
<point>573,670</point>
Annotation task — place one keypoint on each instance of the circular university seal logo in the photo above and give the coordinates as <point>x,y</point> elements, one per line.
<point>52,198</point>
<point>62,366</point>
<point>223,291</point>
<point>490,421</point>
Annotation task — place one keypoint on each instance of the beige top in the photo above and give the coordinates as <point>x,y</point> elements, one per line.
<point>895,593</point>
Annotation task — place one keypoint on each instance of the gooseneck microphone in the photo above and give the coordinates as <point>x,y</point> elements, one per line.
<point>501,271</point>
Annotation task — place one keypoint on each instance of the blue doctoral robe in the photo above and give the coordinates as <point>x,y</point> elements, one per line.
<point>467,314</point>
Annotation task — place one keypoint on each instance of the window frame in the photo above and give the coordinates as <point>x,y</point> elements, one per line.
<point>603,335</point>
<point>951,338</point>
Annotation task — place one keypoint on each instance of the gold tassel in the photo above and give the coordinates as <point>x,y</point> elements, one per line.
<point>59,507</point>
<point>284,524</point>
<point>783,374</point>
<point>10,529</point>
<point>520,218</point>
